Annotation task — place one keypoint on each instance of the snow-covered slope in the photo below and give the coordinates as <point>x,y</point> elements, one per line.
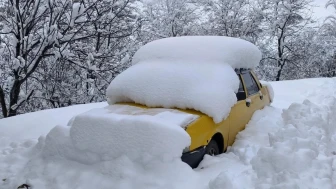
<point>33,125</point>
<point>288,145</point>
<point>288,92</point>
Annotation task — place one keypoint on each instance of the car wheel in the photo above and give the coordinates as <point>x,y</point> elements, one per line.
<point>212,148</point>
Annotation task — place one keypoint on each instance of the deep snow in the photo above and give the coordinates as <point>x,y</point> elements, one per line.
<point>186,86</point>
<point>32,125</point>
<point>291,144</point>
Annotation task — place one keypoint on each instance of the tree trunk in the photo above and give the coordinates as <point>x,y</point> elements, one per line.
<point>278,77</point>
<point>3,103</point>
<point>14,97</point>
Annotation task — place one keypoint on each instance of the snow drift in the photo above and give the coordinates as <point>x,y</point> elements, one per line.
<point>301,154</point>
<point>113,144</point>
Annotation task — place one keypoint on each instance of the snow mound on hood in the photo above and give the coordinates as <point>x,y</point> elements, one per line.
<point>238,53</point>
<point>101,135</point>
<point>208,88</point>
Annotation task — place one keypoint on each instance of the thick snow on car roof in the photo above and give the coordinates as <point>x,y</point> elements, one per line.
<point>187,73</point>
<point>236,52</point>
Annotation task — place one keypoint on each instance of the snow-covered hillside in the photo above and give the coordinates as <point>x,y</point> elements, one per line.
<point>291,144</point>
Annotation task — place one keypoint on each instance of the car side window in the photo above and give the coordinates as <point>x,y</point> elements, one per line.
<point>241,95</point>
<point>251,84</point>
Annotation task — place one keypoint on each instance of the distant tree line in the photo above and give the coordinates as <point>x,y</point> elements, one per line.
<point>56,53</point>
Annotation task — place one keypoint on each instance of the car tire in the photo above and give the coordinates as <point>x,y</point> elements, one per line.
<point>212,148</point>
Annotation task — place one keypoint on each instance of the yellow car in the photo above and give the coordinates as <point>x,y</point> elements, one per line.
<point>210,138</point>
<point>207,137</point>
<point>185,72</point>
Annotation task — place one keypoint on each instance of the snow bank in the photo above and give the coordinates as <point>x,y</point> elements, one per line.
<point>39,123</point>
<point>296,91</point>
<point>209,89</point>
<point>326,91</point>
<point>54,162</point>
<point>269,89</point>
<point>233,168</point>
<point>236,52</point>
<point>122,149</point>
<point>302,152</point>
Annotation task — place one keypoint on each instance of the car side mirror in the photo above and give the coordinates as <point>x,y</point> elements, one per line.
<point>241,95</point>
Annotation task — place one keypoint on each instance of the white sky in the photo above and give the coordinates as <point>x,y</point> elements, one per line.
<point>321,12</point>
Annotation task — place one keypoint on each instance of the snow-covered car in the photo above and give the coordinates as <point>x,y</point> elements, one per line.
<point>183,96</point>
<point>208,137</point>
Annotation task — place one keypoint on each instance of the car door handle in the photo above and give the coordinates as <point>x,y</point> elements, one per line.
<point>261,95</point>
<point>248,104</point>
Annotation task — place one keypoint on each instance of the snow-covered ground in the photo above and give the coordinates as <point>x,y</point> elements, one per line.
<point>291,144</point>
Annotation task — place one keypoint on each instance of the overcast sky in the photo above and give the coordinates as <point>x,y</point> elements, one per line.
<point>320,11</point>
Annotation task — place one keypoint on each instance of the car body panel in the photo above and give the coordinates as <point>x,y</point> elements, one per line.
<point>202,130</point>
<point>237,120</point>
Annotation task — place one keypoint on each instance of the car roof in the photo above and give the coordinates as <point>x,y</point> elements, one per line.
<point>242,70</point>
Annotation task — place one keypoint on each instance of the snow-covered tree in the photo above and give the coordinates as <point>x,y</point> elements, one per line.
<point>36,35</point>
<point>231,18</point>
<point>284,21</point>
<point>329,28</point>
<point>330,22</point>
<point>312,55</point>
<point>168,18</point>
<point>96,60</point>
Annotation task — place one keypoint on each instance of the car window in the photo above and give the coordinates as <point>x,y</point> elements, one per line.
<point>241,95</point>
<point>251,84</point>
<point>241,88</point>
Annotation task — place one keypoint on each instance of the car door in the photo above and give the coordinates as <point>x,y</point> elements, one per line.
<point>264,96</point>
<point>237,117</point>
<point>254,97</point>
